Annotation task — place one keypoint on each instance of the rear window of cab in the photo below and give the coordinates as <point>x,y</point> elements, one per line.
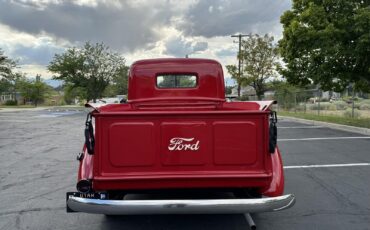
<point>177,81</point>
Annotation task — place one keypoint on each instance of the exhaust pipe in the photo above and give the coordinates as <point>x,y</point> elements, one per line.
<point>250,221</point>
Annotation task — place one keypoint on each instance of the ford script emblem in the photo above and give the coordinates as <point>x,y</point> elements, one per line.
<point>180,143</point>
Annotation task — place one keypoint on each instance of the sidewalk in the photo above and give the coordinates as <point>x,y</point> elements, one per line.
<point>348,128</point>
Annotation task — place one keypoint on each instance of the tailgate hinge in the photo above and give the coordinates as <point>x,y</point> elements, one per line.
<point>272,132</point>
<point>89,135</point>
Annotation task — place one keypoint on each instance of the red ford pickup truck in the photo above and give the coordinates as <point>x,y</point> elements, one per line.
<point>176,132</point>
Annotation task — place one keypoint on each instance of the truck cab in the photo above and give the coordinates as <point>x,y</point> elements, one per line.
<point>178,133</point>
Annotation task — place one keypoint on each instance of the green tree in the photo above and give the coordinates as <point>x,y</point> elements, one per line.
<point>5,84</point>
<point>327,43</point>
<point>118,84</point>
<point>91,68</point>
<point>71,92</point>
<point>259,56</point>
<point>285,93</point>
<point>228,89</point>
<point>6,76</point>
<point>120,81</point>
<point>32,90</point>
<point>233,71</point>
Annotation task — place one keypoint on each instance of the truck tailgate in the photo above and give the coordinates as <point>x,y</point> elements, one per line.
<point>204,148</point>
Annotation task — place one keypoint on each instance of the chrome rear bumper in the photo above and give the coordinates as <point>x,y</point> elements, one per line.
<point>212,206</point>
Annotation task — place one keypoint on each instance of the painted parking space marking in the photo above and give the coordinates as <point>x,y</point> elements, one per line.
<point>57,114</point>
<point>326,166</point>
<point>323,138</point>
<point>48,115</point>
<point>300,127</point>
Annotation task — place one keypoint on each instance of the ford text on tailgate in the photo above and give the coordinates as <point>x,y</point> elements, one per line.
<point>177,133</point>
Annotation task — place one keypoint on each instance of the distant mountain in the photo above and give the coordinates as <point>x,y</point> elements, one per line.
<point>53,83</point>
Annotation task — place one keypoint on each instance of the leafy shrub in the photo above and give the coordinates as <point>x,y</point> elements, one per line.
<point>341,105</point>
<point>11,102</point>
<point>348,113</point>
<point>324,99</point>
<point>364,106</point>
<point>323,106</point>
<point>331,106</point>
<point>311,107</point>
<point>301,107</point>
<point>350,98</point>
<point>356,105</point>
<point>365,101</point>
<point>243,98</point>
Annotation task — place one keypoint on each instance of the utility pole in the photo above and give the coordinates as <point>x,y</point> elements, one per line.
<point>239,58</point>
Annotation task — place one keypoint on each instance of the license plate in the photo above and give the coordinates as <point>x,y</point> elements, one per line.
<point>89,195</point>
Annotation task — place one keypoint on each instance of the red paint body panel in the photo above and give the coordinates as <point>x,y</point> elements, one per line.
<point>181,138</point>
<point>85,170</point>
<point>276,187</point>
<point>142,79</point>
<point>232,148</point>
<point>130,144</point>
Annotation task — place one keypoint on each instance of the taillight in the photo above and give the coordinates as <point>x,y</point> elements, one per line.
<point>84,186</point>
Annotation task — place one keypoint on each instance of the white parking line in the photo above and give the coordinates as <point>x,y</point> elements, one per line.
<point>300,127</point>
<point>326,166</point>
<point>322,138</point>
<point>48,115</point>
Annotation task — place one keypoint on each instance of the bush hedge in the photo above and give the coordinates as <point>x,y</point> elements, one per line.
<point>11,102</point>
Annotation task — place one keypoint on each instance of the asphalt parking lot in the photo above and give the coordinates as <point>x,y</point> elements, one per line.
<point>326,169</point>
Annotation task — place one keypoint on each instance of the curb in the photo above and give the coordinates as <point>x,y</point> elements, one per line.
<point>347,128</point>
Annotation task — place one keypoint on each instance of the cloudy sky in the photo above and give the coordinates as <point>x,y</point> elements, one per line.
<point>33,31</point>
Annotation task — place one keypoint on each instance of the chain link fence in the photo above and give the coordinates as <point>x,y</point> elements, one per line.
<point>355,105</point>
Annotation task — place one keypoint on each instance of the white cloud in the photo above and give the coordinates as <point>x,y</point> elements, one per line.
<point>31,70</point>
<point>31,52</point>
<point>179,46</point>
<point>211,18</point>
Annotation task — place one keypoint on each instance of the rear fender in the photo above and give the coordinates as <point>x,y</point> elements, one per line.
<point>85,171</point>
<point>276,187</point>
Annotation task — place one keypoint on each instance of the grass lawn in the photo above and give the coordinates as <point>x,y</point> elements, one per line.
<point>358,122</point>
<point>17,106</point>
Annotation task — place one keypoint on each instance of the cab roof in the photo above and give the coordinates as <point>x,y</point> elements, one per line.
<point>143,80</point>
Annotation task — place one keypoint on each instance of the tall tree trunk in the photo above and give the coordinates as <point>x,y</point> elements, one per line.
<point>260,93</point>
<point>239,88</point>
<point>259,89</point>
